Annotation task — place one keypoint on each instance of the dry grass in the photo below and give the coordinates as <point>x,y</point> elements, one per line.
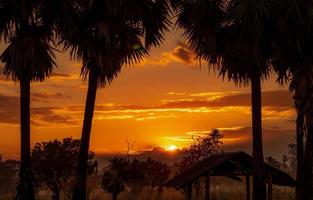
<point>222,189</point>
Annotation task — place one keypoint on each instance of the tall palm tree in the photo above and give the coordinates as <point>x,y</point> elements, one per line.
<point>28,57</point>
<point>293,61</point>
<point>234,37</point>
<point>106,35</point>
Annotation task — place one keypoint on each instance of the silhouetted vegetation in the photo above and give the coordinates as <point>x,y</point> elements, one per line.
<point>288,162</point>
<point>54,164</point>
<point>203,147</point>
<point>234,37</point>
<point>120,33</point>
<point>23,26</point>
<point>8,175</point>
<point>245,41</point>
<point>134,175</point>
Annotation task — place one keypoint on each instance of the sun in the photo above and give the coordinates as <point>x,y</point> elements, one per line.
<point>171,148</point>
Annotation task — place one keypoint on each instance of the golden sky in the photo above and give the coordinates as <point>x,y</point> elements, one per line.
<point>162,101</point>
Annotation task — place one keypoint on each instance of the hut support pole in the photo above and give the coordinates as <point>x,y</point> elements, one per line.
<point>248,187</point>
<point>189,191</point>
<point>270,188</point>
<point>207,187</point>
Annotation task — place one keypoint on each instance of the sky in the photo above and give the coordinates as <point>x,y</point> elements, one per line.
<point>165,100</point>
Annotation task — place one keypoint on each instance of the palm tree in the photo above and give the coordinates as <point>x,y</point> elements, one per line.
<point>293,61</point>
<point>28,57</point>
<point>106,34</point>
<point>234,37</point>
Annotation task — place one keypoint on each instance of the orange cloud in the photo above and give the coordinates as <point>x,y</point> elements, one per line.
<point>180,54</point>
<point>278,107</point>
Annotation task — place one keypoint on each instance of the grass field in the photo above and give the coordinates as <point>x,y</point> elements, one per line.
<point>222,189</point>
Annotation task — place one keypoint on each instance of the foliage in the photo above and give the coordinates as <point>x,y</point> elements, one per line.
<point>157,173</point>
<point>121,174</point>
<point>8,175</point>
<point>232,35</point>
<point>112,182</point>
<point>108,34</point>
<point>202,148</point>
<point>288,162</point>
<point>54,163</point>
<point>23,28</point>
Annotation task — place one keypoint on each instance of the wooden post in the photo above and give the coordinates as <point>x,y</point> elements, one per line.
<point>248,187</point>
<point>189,191</point>
<point>207,187</point>
<point>270,188</point>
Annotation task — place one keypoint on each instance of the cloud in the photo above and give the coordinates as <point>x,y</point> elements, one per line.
<point>56,74</point>
<point>47,96</point>
<point>183,55</point>
<point>276,105</point>
<point>180,54</point>
<point>61,76</point>
<point>275,98</point>
<point>9,109</point>
<point>240,139</point>
<point>40,116</point>
<point>47,116</point>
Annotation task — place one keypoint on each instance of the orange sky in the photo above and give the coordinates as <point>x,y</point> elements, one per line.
<point>160,102</point>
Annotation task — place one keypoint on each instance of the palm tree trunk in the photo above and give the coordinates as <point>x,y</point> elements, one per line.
<point>308,160</point>
<point>114,196</point>
<point>25,190</point>
<point>80,187</point>
<point>300,147</point>
<point>259,187</point>
<point>56,194</point>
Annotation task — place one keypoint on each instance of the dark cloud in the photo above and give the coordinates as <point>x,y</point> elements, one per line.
<point>9,109</point>
<point>274,140</point>
<point>273,101</point>
<point>44,116</point>
<point>40,116</point>
<point>279,98</point>
<point>47,96</point>
<point>55,74</point>
<point>184,54</point>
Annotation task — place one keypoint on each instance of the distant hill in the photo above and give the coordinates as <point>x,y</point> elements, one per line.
<point>157,153</point>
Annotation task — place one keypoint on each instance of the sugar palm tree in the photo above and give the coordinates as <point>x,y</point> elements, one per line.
<point>28,57</point>
<point>105,35</point>
<point>234,37</point>
<point>293,61</point>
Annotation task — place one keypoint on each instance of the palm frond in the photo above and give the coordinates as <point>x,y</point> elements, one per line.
<point>108,34</point>
<point>234,35</point>
<point>29,55</point>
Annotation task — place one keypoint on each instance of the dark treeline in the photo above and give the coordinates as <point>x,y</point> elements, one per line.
<point>245,41</point>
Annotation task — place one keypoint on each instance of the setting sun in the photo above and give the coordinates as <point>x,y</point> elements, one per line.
<point>171,148</point>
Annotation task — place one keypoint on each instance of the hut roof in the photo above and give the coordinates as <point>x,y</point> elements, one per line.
<point>231,165</point>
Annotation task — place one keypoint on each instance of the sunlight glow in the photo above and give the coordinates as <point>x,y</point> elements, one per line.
<point>171,148</point>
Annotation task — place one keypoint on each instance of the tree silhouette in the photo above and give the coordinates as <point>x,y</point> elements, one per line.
<point>135,174</point>
<point>202,148</point>
<point>54,164</point>
<point>23,27</point>
<point>293,61</point>
<point>234,37</point>
<point>8,174</point>
<point>115,176</point>
<point>106,34</point>
<point>112,183</point>
<point>157,173</point>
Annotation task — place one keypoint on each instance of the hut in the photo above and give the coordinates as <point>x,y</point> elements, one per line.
<point>232,165</point>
